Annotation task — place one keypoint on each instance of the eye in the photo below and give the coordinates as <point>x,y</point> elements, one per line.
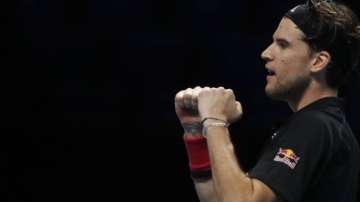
<point>283,44</point>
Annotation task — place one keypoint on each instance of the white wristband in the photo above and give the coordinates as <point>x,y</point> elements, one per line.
<point>207,125</point>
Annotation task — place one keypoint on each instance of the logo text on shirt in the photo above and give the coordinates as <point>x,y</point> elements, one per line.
<point>287,156</point>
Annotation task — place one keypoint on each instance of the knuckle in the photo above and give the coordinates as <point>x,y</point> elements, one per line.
<point>229,90</point>
<point>219,90</point>
<point>179,95</point>
<point>187,92</point>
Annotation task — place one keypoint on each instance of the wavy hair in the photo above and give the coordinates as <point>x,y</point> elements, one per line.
<point>337,30</point>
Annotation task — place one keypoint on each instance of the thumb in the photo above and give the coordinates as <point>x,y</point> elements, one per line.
<point>238,112</point>
<point>239,108</point>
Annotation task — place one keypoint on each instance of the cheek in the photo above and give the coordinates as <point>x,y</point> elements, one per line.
<point>288,72</point>
<point>284,68</point>
<point>293,65</point>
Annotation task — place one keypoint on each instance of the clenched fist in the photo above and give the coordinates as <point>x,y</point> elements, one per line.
<point>194,105</point>
<point>219,103</point>
<point>186,106</point>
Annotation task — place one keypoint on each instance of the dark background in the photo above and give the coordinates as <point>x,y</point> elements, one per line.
<point>87,91</point>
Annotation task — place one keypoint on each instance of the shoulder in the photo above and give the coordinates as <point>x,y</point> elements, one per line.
<point>312,117</point>
<point>308,125</point>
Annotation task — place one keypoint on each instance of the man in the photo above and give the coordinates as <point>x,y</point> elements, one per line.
<point>314,156</point>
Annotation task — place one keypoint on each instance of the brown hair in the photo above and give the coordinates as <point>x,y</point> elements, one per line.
<point>337,31</point>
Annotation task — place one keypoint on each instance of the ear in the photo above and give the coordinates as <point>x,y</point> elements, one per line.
<point>320,61</point>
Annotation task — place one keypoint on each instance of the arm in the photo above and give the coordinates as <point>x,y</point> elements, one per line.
<point>200,166</point>
<point>190,121</point>
<point>230,182</point>
<point>205,190</point>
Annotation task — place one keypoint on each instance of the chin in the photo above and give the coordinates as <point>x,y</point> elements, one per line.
<point>269,93</point>
<point>275,94</point>
<point>272,95</point>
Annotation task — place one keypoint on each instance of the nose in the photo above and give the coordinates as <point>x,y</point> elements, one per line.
<point>266,54</point>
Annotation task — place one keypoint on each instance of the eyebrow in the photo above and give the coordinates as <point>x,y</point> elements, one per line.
<point>281,40</point>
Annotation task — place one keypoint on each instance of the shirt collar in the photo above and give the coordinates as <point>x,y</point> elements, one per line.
<point>323,103</point>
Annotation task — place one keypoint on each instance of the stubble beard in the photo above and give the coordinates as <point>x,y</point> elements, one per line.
<point>288,90</point>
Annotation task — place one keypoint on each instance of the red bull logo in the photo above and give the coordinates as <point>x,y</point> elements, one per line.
<point>288,157</point>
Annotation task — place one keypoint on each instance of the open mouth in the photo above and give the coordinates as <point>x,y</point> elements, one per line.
<point>271,73</point>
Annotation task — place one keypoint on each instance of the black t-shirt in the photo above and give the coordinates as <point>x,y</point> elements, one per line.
<point>314,156</point>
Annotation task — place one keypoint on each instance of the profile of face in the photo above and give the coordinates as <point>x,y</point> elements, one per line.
<point>288,62</point>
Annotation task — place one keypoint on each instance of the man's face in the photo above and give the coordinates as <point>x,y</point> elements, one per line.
<point>288,60</point>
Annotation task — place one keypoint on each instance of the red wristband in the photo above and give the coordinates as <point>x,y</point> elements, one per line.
<point>198,154</point>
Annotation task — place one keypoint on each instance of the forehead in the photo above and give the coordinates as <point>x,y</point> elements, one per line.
<point>288,30</point>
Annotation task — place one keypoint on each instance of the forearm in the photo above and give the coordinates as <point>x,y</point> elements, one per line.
<point>215,108</point>
<point>230,182</point>
<point>198,154</point>
<point>205,190</point>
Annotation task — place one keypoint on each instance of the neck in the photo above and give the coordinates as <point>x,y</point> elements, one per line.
<point>310,95</point>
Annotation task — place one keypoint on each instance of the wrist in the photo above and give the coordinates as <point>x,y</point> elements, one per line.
<point>210,122</point>
<point>211,119</point>
<point>199,161</point>
<point>192,129</point>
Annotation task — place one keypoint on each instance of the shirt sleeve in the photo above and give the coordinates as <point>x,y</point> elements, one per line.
<point>294,158</point>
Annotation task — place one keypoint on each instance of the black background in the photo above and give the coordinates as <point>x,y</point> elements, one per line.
<point>87,91</point>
